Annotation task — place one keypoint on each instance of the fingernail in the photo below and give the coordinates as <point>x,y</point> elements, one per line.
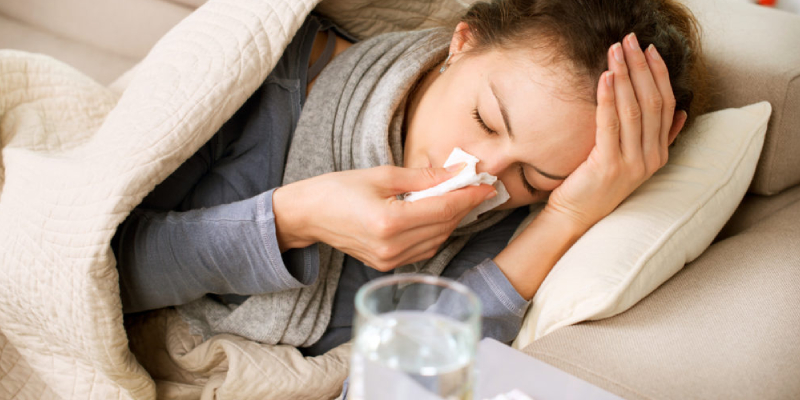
<point>491,194</point>
<point>653,52</point>
<point>632,42</point>
<point>617,50</point>
<point>456,167</point>
<point>610,79</point>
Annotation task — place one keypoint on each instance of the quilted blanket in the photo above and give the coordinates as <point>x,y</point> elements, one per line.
<point>76,158</point>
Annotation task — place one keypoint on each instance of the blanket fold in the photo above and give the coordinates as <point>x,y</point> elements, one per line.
<point>76,158</point>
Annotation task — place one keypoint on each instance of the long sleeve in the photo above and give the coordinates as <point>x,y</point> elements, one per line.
<point>171,258</point>
<point>503,308</point>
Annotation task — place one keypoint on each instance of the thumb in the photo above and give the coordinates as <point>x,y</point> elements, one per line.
<point>414,179</point>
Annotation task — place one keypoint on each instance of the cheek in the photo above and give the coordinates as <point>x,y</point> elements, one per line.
<point>449,124</point>
<point>519,195</point>
<point>447,131</point>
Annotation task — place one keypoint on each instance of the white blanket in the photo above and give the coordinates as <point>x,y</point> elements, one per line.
<point>75,160</point>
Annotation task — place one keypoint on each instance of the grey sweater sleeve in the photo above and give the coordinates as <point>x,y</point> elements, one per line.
<point>503,307</point>
<point>171,258</point>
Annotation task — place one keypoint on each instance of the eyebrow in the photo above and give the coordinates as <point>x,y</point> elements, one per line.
<point>504,113</point>
<point>503,110</point>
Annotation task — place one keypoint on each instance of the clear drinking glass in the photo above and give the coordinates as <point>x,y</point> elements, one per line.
<point>415,337</point>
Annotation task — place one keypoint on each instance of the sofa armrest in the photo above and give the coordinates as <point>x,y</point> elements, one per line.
<point>725,327</point>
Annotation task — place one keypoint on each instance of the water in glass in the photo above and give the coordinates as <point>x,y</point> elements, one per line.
<point>411,355</point>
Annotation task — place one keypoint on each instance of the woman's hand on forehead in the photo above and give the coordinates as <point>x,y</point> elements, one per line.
<point>636,122</point>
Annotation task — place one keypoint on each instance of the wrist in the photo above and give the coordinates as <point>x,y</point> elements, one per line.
<point>528,259</point>
<point>567,223</point>
<point>291,225</point>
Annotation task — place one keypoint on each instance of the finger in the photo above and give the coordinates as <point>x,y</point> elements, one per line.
<point>428,241</point>
<point>431,233</point>
<point>367,259</point>
<point>425,251</point>
<point>403,180</point>
<point>447,207</point>
<point>661,76</point>
<point>405,247</point>
<point>627,107</point>
<point>606,119</point>
<point>678,123</point>
<point>650,100</point>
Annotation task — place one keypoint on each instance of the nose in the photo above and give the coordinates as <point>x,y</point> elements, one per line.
<point>493,161</point>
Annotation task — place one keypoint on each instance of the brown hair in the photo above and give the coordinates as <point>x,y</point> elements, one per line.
<point>581,31</point>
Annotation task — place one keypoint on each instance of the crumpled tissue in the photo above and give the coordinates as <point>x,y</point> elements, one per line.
<point>467,176</point>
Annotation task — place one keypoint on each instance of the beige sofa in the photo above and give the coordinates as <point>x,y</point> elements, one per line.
<point>726,326</point>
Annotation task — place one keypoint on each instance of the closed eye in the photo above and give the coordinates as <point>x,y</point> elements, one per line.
<point>532,190</point>
<point>477,117</point>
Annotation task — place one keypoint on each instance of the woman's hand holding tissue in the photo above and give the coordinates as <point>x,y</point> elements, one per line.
<point>358,212</point>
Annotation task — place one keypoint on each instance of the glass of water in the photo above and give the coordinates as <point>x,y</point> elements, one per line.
<point>415,337</point>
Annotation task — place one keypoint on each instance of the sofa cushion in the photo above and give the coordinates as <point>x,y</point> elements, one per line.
<point>192,4</point>
<point>101,65</point>
<point>725,327</point>
<point>754,208</point>
<point>667,222</point>
<point>752,56</point>
<point>127,28</point>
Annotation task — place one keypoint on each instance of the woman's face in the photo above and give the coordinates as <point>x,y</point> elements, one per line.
<point>516,116</point>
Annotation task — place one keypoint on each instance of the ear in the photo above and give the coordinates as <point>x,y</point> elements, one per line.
<point>677,124</point>
<point>461,42</point>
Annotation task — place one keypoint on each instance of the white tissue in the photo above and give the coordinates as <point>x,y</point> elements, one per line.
<point>515,394</point>
<point>467,176</point>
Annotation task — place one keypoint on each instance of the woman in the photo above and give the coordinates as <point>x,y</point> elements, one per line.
<point>268,231</point>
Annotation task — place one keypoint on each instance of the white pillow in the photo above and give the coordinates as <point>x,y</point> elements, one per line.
<point>667,222</point>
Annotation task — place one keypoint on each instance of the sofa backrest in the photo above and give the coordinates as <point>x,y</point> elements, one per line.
<point>128,28</point>
<point>753,54</point>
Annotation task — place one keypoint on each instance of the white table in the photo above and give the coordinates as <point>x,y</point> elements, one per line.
<point>501,369</point>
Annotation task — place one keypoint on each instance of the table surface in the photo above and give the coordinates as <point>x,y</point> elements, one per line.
<point>502,369</point>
